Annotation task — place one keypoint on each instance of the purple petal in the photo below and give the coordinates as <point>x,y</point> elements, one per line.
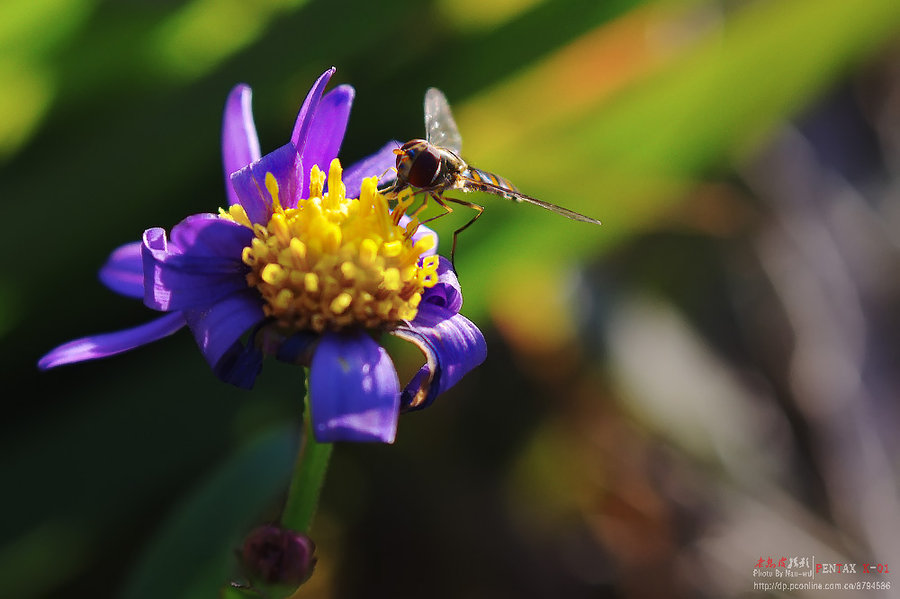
<point>308,110</point>
<point>327,129</point>
<point>200,266</point>
<point>291,347</point>
<point>446,292</point>
<point>250,183</point>
<point>452,346</point>
<point>218,329</point>
<point>206,234</point>
<point>240,144</point>
<point>353,390</point>
<point>379,163</point>
<point>124,271</point>
<point>109,344</point>
<point>298,348</point>
<point>240,365</point>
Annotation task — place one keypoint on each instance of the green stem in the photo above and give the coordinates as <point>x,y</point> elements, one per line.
<point>307,480</point>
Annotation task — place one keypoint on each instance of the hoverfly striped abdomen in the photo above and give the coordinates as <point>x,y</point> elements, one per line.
<point>476,175</point>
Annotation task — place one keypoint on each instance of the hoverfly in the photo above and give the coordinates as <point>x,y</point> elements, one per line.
<point>433,166</point>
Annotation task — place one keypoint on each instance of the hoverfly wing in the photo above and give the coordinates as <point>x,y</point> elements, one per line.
<point>557,209</point>
<point>440,128</point>
<point>516,196</point>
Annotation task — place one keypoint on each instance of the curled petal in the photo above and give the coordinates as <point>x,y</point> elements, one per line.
<point>206,234</point>
<point>305,117</point>
<point>255,191</point>
<point>353,390</point>
<point>218,329</point>
<point>452,346</point>
<point>240,144</point>
<point>446,292</point>
<point>327,131</point>
<point>110,344</point>
<point>124,271</point>
<point>200,266</point>
<point>378,164</point>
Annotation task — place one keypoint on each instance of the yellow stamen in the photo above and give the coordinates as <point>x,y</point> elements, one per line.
<point>316,182</point>
<point>272,186</point>
<point>335,262</point>
<point>311,282</point>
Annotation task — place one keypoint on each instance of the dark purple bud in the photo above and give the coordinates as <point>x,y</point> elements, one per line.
<point>275,555</point>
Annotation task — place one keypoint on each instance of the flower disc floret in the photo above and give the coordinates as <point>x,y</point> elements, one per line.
<point>335,262</point>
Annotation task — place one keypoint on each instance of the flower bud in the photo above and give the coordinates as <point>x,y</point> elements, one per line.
<point>275,555</point>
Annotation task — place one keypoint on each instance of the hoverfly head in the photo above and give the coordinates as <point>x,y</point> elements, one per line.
<point>418,163</point>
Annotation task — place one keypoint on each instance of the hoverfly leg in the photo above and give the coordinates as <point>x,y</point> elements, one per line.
<point>436,196</point>
<point>390,192</point>
<point>392,189</point>
<point>478,208</point>
<point>415,213</point>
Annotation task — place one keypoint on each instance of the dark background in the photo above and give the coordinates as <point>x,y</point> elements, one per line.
<point>708,379</point>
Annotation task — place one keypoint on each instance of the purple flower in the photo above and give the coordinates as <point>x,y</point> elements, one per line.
<point>303,270</point>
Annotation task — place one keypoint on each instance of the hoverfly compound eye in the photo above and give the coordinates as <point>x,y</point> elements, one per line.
<point>426,164</point>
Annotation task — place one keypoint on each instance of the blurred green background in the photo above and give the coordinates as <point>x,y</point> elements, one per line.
<point>708,379</point>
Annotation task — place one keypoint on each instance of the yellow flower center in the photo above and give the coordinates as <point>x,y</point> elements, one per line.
<point>336,262</point>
